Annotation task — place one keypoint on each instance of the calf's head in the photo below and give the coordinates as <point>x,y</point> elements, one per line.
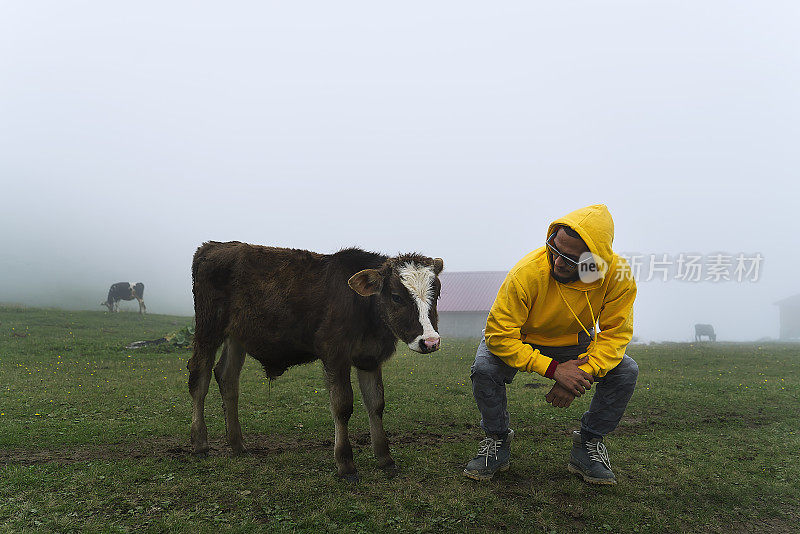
<point>406,289</point>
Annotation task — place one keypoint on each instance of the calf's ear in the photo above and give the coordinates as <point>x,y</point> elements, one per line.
<point>367,282</point>
<point>438,265</point>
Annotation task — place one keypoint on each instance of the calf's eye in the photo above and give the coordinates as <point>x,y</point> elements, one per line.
<point>396,298</point>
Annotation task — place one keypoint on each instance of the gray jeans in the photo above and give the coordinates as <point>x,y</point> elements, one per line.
<point>611,393</point>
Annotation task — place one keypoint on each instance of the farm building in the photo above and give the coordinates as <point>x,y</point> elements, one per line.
<point>790,317</point>
<point>465,300</point>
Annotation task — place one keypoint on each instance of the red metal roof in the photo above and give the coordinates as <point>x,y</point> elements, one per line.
<point>469,290</point>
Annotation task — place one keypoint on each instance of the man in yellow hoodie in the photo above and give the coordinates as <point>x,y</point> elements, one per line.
<point>543,320</point>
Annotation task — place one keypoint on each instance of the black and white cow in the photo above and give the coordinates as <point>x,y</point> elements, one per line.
<point>124,291</point>
<point>286,307</point>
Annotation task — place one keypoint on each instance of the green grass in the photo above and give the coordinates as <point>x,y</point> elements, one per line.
<point>94,437</point>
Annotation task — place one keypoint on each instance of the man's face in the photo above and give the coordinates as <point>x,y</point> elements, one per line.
<point>573,247</point>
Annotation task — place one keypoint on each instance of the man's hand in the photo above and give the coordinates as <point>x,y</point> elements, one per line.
<point>559,397</point>
<point>573,379</point>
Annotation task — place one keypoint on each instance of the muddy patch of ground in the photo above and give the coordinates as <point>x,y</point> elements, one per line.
<point>258,445</point>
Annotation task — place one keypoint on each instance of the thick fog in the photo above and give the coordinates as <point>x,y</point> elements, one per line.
<point>131,133</point>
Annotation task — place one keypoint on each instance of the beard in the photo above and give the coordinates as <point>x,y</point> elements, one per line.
<point>564,279</point>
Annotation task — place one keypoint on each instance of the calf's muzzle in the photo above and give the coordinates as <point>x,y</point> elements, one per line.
<point>429,344</point>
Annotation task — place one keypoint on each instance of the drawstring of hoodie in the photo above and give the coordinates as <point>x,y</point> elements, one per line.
<point>591,311</point>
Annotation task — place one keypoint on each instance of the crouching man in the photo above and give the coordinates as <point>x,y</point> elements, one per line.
<point>543,321</point>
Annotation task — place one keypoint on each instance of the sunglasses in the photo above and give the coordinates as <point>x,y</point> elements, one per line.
<point>571,260</point>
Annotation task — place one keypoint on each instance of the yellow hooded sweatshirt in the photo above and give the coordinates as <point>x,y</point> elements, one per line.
<point>531,307</point>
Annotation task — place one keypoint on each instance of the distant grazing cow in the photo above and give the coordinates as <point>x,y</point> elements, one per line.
<point>286,307</point>
<point>701,330</point>
<point>124,291</point>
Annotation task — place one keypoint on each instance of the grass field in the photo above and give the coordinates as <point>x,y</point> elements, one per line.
<point>94,437</point>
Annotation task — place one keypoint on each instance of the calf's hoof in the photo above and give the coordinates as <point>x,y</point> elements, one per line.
<point>350,478</point>
<point>241,451</point>
<point>390,469</point>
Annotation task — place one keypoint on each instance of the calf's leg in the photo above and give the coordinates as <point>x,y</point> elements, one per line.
<point>341,394</point>
<point>371,383</point>
<point>142,307</point>
<point>227,373</point>
<point>199,377</point>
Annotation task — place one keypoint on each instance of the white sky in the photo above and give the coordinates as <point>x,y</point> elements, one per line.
<point>131,133</point>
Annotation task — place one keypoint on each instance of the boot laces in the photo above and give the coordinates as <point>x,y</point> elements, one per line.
<point>489,447</point>
<point>598,452</point>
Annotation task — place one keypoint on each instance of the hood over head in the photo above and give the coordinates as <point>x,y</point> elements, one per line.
<point>595,226</point>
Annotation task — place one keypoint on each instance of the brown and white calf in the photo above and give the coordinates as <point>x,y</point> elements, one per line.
<point>286,307</point>
<point>124,291</point>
